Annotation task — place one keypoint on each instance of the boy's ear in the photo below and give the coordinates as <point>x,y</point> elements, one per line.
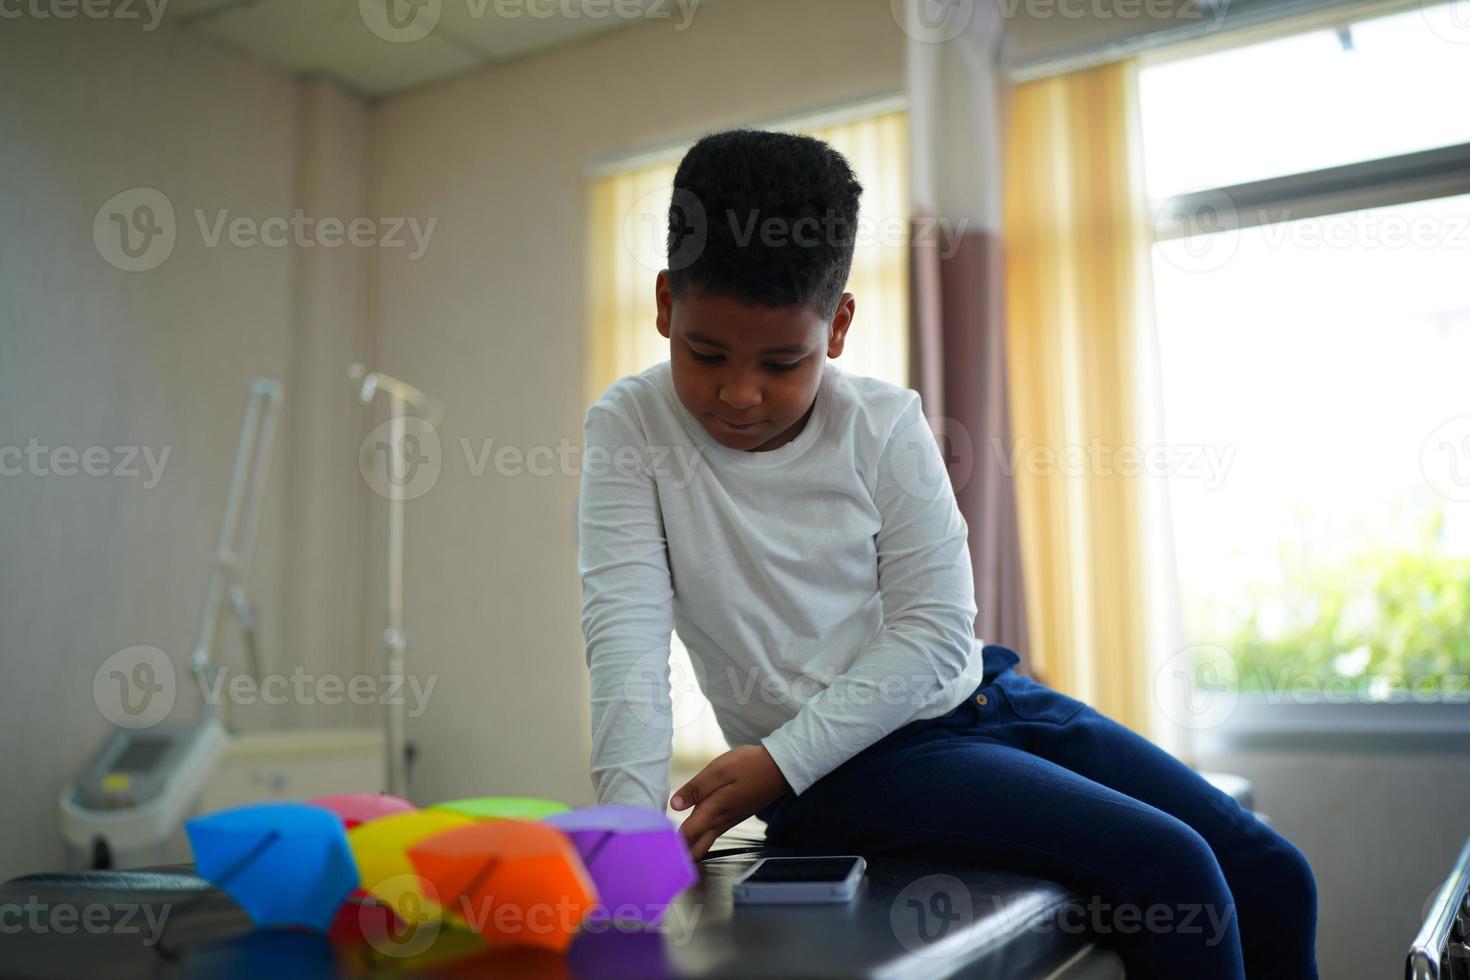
<point>664,300</point>
<point>841,320</point>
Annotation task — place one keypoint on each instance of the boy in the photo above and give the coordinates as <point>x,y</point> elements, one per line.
<point>777,575</point>
<point>815,563</point>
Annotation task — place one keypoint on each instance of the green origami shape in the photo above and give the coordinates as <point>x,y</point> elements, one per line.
<point>503,808</point>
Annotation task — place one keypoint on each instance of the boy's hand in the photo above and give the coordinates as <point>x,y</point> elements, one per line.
<point>732,787</point>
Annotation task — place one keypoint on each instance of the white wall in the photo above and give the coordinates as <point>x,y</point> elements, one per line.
<point>1381,829</point>
<point>94,356</point>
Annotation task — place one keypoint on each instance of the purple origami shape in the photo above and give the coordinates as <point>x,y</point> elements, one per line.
<point>283,863</point>
<point>636,858</point>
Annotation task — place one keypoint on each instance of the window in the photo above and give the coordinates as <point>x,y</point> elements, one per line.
<point>1312,295</point>
<point>629,208</point>
<point>1382,88</point>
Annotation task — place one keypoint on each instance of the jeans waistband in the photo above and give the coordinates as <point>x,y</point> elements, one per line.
<point>997,659</point>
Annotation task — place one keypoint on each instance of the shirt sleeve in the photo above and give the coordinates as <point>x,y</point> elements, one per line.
<point>926,642</point>
<point>627,612</point>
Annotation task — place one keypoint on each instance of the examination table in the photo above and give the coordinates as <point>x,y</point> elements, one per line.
<point>911,918</point>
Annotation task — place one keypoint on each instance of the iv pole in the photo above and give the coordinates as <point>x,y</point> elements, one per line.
<point>232,553</point>
<point>401,395</point>
<point>108,821</point>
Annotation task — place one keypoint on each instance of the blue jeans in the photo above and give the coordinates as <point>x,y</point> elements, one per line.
<point>1179,878</point>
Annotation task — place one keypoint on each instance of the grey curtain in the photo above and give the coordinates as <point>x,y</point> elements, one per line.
<point>956,324</point>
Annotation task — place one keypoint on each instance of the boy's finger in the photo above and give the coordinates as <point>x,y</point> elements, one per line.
<point>700,839</point>
<point>710,816</point>
<point>698,823</point>
<point>697,790</point>
<point>700,847</point>
<point>686,795</point>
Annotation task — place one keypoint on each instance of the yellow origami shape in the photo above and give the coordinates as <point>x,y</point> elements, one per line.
<point>381,847</point>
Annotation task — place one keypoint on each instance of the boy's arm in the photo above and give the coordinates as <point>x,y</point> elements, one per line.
<point>627,613</point>
<point>927,640</point>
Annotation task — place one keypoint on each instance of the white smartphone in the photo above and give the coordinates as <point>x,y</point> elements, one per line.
<point>800,880</point>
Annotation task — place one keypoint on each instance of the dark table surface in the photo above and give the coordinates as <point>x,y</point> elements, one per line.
<point>911,918</point>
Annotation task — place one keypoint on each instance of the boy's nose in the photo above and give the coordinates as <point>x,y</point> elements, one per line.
<point>740,395</point>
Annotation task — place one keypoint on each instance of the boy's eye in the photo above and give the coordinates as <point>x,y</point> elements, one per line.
<point>716,358</point>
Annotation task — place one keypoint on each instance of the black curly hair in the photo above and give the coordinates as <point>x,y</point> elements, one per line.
<point>765,218</point>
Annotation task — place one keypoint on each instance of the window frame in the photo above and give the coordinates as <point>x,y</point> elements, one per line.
<point>1407,178</point>
<point>1269,722</point>
<point>1257,724</point>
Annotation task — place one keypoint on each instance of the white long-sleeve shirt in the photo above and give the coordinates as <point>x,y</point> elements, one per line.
<point>823,589</point>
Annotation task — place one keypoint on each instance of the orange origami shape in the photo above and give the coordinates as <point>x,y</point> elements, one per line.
<point>512,881</point>
<point>380,848</point>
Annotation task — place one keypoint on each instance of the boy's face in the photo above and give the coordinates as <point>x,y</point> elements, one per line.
<point>750,374</point>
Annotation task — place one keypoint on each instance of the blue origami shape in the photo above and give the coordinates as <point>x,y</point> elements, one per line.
<point>283,863</point>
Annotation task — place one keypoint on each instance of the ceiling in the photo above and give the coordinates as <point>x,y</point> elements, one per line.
<point>379,48</point>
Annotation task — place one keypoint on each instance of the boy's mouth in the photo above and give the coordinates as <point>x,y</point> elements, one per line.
<point>734,427</point>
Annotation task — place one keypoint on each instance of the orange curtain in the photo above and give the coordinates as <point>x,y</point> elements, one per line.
<point>1078,318</point>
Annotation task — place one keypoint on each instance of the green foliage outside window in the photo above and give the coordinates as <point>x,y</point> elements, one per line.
<point>1388,621</point>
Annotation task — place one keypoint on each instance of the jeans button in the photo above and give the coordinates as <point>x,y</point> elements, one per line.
<point>981,700</point>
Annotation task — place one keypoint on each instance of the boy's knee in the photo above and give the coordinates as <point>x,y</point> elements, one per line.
<point>1195,851</point>
<point>1294,877</point>
<point>1176,852</point>
<point>1278,880</point>
<point>1178,879</point>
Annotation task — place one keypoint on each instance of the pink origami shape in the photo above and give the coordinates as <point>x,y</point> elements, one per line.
<point>360,808</point>
<point>636,858</point>
<point>356,809</point>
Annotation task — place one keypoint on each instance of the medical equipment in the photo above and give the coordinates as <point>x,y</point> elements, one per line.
<point>127,803</point>
<point>1441,949</point>
<point>401,396</point>
<point>295,764</point>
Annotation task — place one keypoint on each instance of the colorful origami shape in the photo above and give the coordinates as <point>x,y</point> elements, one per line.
<point>257,953</point>
<point>636,952</point>
<point>503,807</point>
<point>361,917</point>
<point>525,961</point>
<point>356,809</point>
<point>394,951</point>
<point>360,808</point>
<point>283,863</point>
<point>383,866</point>
<point>512,881</point>
<point>635,856</point>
